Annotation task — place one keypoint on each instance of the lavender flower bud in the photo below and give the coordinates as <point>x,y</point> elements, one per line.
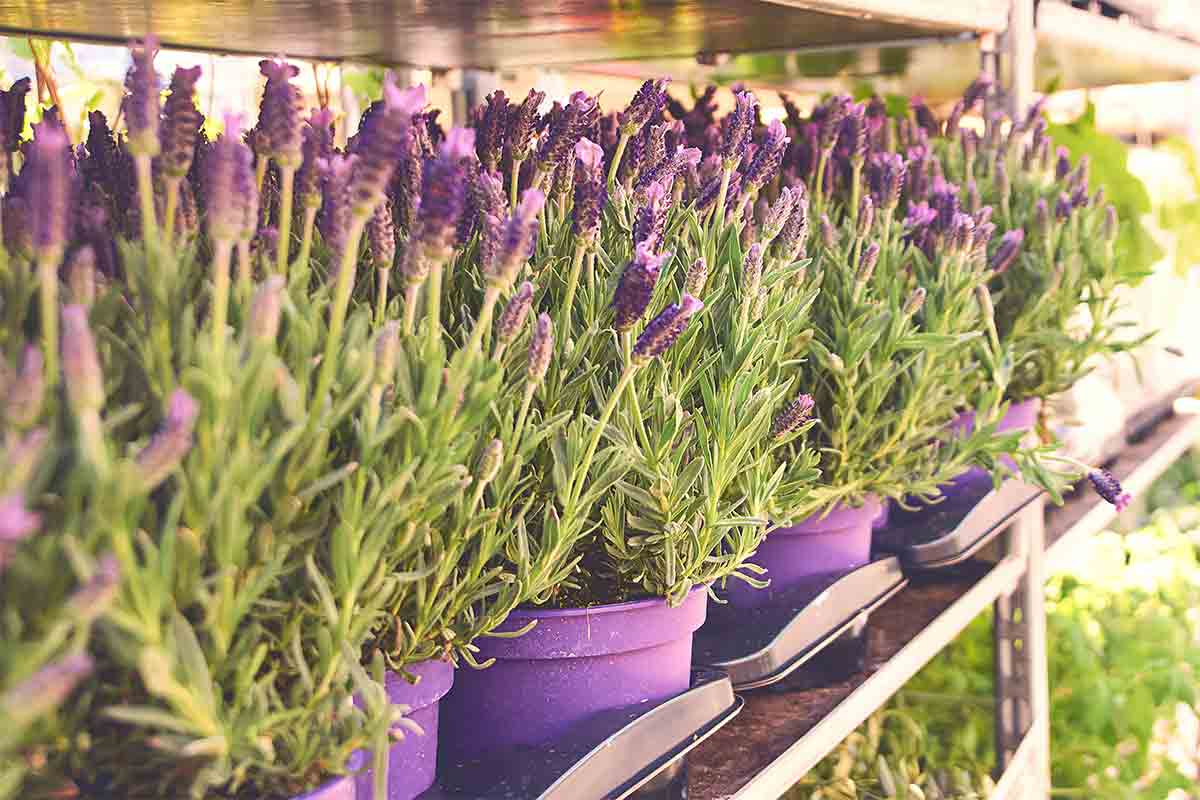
<point>512,319</point>
<point>961,234</point>
<point>792,240</point>
<point>266,309</point>
<point>279,113</point>
<point>828,234</point>
<point>381,237</point>
<point>49,163</point>
<point>915,301</point>
<point>17,522</point>
<point>978,90</point>
<point>565,131</point>
<point>44,690</point>
<point>489,462</point>
<point>866,264</point>
<point>752,267</point>
<point>266,244</point>
<point>645,105</point>
<point>181,123</point>
<point>590,191</point>
<point>983,234</point>
<point>80,364</point>
<point>973,200</point>
<point>337,211</point>
<point>521,124</point>
<point>383,141</point>
<point>891,182</point>
<point>925,119</point>
<point>141,102</point>
<point>1111,225</point>
<point>541,347</point>
<point>387,346</point>
<point>1064,206</point>
<point>767,158</point>
<point>1062,167</point>
<point>1041,217</point>
<point>1109,488</point>
<point>1000,178</point>
<point>737,134</point>
<point>315,152</point>
<point>866,216</point>
<point>12,115</point>
<point>491,122</point>
<point>795,414</point>
<point>224,182</point>
<point>1006,254</point>
<point>651,217</point>
<point>95,596</point>
<point>518,240</point>
<point>169,445</point>
<point>636,286</point>
<point>697,277</point>
<point>23,400</point>
<point>778,215</point>
<point>665,329</point>
<point>443,195</point>
<point>854,133</point>
<point>830,123</point>
<point>969,142</point>
<point>954,120</point>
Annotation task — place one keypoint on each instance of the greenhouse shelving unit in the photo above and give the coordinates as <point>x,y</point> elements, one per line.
<point>780,735</point>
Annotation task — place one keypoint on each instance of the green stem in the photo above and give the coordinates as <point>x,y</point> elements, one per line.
<point>310,221</point>
<point>585,464</point>
<point>48,291</point>
<point>484,322</point>
<point>818,187</point>
<point>172,188</point>
<point>286,179</point>
<point>726,174</point>
<point>411,292</point>
<point>260,173</point>
<point>514,185</point>
<point>616,161</point>
<point>433,303</point>
<point>337,313</point>
<point>220,296</point>
<point>245,271</point>
<point>146,198</point>
<point>381,294</point>
<point>564,311</point>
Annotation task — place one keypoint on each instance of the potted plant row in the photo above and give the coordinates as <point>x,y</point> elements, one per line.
<point>425,450</point>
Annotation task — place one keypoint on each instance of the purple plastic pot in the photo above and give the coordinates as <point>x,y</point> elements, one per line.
<point>885,513</point>
<point>412,761</point>
<point>342,788</point>
<point>573,664</point>
<point>1019,417</point>
<point>835,542</point>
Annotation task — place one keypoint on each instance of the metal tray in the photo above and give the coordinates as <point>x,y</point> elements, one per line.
<point>952,531</point>
<point>631,752</point>
<point>765,645</point>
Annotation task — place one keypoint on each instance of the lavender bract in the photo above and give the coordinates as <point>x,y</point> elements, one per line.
<point>636,286</point>
<point>665,329</point>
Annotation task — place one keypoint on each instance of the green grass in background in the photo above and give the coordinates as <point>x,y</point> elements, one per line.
<point>1124,654</point>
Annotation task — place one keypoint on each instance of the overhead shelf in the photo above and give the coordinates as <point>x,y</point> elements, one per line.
<point>1080,48</point>
<point>506,33</point>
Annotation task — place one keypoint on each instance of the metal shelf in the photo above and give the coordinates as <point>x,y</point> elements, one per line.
<point>780,736</point>
<point>1082,49</point>
<point>503,33</point>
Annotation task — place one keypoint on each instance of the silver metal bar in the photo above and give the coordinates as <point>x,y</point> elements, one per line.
<point>791,765</point>
<point>1020,45</point>
<point>1031,528</point>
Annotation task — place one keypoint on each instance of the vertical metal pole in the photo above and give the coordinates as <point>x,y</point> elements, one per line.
<point>1032,524</point>
<point>1020,46</point>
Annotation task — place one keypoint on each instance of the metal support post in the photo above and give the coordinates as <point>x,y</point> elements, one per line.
<point>1019,641</point>
<point>1019,46</point>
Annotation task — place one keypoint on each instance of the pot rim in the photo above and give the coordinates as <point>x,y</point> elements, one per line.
<point>605,608</point>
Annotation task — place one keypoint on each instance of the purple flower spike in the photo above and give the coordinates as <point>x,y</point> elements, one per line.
<point>95,596</point>
<point>652,216</point>
<point>697,277</point>
<point>1064,206</point>
<point>866,264</point>
<point>171,442</point>
<point>49,164</point>
<point>565,132</point>
<point>266,309</point>
<point>45,690</point>
<point>767,158</point>
<point>866,216</point>
<point>491,123</point>
<point>590,191</point>
<point>1109,488</point>
<point>644,107</point>
<point>315,151</point>
<point>516,240</point>
<point>829,236</point>
<point>443,195</point>
<point>737,134</point>
<point>793,416</point>
<point>792,240</point>
<point>752,267</point>
<point>778,215</point>
<point>382,143</point>
<point>1006,254</point>
<point>381,237</point>
<point>12,115</point>
<point>222,182</point>
<point>1062,165</point>
<point>181,122</point>
<point>885,176</point>
<point>521,124</point>
<point>141,102</point>
<point>978,90</point>
<point>512,319</point>
<point>665,329</point>
<point>80,363</point>
<point>337,211</point>
<point>279,115</point>
<point>541,347</point>
<point>854,133</point>
<point>636,286</point>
